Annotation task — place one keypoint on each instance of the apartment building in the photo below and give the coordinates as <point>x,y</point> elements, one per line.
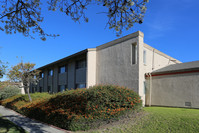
<point>124,61</point>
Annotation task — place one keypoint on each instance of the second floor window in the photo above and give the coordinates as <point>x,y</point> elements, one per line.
<point>81,64</point>
<point>50,72</point>
<point>62,69</point>
<point>41,75</point>
<point>134,53</point>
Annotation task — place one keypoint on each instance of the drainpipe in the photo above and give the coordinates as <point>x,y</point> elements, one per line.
<point>153,60</point>
<point>150,87</point>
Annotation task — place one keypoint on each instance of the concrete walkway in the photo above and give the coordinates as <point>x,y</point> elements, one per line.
<point>28,124</point>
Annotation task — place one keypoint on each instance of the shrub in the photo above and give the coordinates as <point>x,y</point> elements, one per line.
<point>9,91</point>
<point>19,101</point>
<point>80,109</point>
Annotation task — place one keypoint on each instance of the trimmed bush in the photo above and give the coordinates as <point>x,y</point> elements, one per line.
<point>80,109</point>
<point>9,91</point>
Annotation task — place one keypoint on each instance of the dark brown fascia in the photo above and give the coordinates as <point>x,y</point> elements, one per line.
<point>182,71</point>
<point>63,59</point>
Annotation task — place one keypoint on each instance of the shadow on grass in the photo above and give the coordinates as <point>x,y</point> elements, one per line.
<point>7,126</point>
<point>10,104</point>
<point>31,125</point>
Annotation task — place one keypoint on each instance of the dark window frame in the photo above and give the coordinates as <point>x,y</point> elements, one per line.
<point>50,72</point>
<point>76,85</point>
<point>40,89</point>
<point>59,88</point>
<point>134,52</point>
<point>63,66</point>
<point>49,89</point>
<point>82,63</point>
<point>41,75</point>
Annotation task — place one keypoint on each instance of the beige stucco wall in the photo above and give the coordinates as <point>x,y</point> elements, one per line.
<point>156,59</point>
<point>114,63</point>
<point>141,67</point>
<point>91,68</point>
<point>175,90</point>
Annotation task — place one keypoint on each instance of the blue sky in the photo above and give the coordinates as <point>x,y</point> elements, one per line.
<point>170,26</point>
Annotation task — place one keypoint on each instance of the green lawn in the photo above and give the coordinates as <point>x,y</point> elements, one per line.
<point>8,127</point>
<point>160,120</point>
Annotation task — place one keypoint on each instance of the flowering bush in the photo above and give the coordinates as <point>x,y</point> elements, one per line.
<point>79,109</point>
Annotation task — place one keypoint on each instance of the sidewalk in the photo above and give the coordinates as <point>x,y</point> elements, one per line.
<point>32,126</point>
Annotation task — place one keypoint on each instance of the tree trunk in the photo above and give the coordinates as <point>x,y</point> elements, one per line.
<point>26,87</point>
<point>30,99</point>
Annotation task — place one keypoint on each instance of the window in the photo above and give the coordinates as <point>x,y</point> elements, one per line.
<point>62,69</point>
<point>62,88</point>
<point>80,85</point>
<point>81,64</point>
<point>49,89</point>
<point>42,75</point>
<point>144,57</point>
<point>134,53</point>
<point>50,72</point>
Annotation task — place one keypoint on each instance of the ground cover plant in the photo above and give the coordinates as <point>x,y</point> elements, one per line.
<point>80,109</point>
<point>159,120</point>
<point>8,91</point>
<point>8,127</point>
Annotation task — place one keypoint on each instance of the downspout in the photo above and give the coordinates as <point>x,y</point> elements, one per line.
<point>153,60</point>
<point>150,87</point>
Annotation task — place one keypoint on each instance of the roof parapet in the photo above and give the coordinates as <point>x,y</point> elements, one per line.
<point>130,36</point>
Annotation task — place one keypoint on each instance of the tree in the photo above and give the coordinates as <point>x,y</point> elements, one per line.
<point>2,69</point>
<point>24,16</point>
<point>25,73</point>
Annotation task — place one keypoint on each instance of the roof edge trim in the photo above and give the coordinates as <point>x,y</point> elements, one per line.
<point>119,40</point>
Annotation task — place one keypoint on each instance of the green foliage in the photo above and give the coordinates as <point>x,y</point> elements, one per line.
<point>25,73</point>
<point>9,91</point>
<point>80,109</point>
<point>3,67</point>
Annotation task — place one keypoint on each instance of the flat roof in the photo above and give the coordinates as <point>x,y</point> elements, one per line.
<point>64,59</point>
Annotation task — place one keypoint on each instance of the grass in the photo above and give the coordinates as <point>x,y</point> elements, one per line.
<point>159,120</point>
<point>7,126</point>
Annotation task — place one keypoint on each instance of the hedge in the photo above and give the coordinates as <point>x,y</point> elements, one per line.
<point>80,109</point>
